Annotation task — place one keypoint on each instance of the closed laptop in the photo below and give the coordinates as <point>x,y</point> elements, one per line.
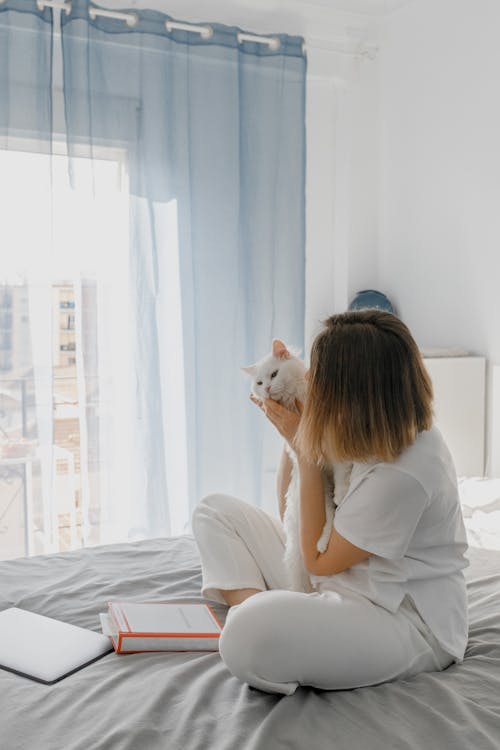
<point>45,649</point>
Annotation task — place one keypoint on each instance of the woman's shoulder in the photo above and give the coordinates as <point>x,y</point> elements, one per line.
<point>427,460</point>
<point>429,445</point>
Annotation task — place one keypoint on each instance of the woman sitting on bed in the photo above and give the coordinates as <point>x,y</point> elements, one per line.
<point>391,596</point>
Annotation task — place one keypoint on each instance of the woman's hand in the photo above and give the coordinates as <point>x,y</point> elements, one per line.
<point>285,421</point>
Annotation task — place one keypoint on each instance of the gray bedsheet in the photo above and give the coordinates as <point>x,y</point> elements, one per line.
<point>189,700</point>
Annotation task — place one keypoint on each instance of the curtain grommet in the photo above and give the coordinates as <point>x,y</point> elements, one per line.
<point>131,19</point>
<point>207,32</point>
<point>273,42</point>
<point>204,31</point>
<point>56,4</point>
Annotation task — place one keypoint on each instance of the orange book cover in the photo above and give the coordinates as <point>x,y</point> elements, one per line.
<point>162,626</point>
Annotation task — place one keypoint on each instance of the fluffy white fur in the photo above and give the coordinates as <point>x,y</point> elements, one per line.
<point>281,376</point>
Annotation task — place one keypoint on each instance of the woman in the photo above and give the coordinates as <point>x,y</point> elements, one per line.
<point>390,597</point>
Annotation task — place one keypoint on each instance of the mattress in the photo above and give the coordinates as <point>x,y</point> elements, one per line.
<point>191,701</point>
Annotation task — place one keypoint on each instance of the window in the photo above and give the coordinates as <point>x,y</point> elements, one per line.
<point>63,296</point>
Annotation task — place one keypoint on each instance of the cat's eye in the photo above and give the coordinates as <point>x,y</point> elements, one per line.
<point>259,382</point>
<point>273,374</point>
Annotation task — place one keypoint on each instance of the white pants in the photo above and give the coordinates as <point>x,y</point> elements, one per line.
<point>279,639</point>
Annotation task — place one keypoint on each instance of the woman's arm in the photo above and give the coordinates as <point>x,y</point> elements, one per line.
<point>312,515</point>
<point>340,553</point>
<point>283,478</point>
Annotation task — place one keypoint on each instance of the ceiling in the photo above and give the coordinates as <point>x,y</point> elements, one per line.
<point>369,7</point>
<point>321,9</point>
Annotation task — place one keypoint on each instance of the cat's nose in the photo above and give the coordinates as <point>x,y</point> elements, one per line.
<point>268,389</point>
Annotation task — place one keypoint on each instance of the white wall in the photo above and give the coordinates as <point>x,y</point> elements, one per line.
<point>364,209</point>
<point>341,246</point>
<point>439,173</point>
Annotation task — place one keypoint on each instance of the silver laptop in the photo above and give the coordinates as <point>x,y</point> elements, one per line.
<point>44,649</point>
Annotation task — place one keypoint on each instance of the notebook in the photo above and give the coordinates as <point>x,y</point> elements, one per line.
<point>44,649</point>
<point>161,626</point>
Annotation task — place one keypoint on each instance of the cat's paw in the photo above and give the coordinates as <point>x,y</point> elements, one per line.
<point>322,543</point>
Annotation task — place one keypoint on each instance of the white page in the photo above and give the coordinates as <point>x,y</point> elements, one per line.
<point>171,617</point>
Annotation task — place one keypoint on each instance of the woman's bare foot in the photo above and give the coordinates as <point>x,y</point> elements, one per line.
<point>236,596</point>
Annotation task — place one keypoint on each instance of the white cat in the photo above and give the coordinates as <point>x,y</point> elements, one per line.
<point>281,376</point>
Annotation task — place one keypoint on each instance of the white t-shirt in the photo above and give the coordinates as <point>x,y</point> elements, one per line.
<point>408,514</point>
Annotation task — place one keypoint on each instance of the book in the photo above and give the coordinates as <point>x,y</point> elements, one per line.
<point>161,626</point>
<point>44,649</point>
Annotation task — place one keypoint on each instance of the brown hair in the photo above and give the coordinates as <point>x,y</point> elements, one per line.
<point>368,392</point>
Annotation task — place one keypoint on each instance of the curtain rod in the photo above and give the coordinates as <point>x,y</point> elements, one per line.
<point>131,19</point>
<point>205,31</point>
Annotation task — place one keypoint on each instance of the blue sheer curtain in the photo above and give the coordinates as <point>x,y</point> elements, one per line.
<point>175,259</point>
<point>211,133</point>
<point>26,404</point>
<point>25,73</point>
<point>208,135</point>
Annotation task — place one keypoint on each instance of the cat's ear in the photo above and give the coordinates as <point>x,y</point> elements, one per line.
<point>250,370</point>
<point>279,350</point>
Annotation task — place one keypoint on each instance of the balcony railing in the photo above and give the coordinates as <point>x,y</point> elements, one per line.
<point>37,515</point>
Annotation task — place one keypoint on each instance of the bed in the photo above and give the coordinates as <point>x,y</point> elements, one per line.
<point>191,701</point>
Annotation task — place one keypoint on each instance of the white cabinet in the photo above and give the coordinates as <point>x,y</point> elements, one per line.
<point>459,408</point>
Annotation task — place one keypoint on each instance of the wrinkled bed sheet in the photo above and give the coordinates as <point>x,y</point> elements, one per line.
<point>191,701</point>
<point>480,498</point>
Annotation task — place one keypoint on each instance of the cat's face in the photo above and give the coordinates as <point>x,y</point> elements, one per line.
<point>280,375</point>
